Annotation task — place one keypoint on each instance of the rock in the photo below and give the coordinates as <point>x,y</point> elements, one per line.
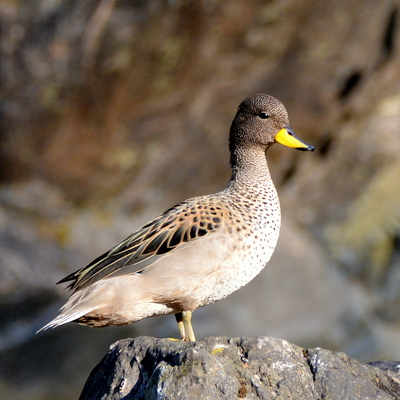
<point>231,368</point>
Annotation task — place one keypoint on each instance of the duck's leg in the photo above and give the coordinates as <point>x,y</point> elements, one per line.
<point>187,323</point>
<point>185,326</point>
<point>181,326</point>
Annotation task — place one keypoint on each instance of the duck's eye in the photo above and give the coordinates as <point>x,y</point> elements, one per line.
<point>263,115</point>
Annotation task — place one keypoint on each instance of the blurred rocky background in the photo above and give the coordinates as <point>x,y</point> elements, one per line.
<point>112,111</point>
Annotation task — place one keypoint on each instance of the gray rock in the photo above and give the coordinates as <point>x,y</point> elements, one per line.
<point>231,368</point>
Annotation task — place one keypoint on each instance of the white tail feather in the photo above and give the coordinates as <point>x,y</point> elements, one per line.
<point>64,319</point>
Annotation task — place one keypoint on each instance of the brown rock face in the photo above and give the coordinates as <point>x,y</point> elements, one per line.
<point>113,111</point>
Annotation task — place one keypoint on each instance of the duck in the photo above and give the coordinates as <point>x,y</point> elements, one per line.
<point>198,251</point>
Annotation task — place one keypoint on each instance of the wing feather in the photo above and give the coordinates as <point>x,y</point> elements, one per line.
<point>186,222</point>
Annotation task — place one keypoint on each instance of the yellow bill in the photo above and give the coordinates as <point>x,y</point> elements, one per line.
<point>287,137</point>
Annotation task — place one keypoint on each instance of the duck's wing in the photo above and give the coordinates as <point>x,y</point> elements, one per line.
<point>186,222</point>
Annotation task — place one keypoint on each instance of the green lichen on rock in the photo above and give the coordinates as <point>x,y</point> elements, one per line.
<point>368,234</point>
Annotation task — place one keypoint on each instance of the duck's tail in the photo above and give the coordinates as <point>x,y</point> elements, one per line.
<point>69,312</point>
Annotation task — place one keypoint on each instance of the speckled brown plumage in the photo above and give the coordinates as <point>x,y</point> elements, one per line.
<point>199,251</point>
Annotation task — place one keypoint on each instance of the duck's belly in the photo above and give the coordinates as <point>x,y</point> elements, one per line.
<point>239,268</point>
<point>225,266</point>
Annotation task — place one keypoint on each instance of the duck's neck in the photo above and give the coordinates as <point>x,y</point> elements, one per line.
<point>249,168</point>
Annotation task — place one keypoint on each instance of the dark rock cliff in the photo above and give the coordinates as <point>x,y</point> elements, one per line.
<point>112,111</point>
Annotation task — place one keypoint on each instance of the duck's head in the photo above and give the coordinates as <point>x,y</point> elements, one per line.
<point>262,120</point>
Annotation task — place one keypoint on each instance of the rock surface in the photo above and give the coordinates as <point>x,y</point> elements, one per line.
<point>234,368</point>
